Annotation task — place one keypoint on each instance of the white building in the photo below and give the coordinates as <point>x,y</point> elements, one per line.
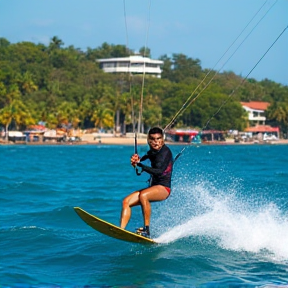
<point>256,111</point>
<point>132,64</point>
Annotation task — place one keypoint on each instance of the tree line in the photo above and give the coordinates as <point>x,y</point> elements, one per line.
<point>64,87</point>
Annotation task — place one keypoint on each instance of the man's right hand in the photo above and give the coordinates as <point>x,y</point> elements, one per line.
<point>135,159</point>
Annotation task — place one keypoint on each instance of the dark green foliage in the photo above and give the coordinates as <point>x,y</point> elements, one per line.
<point>58,85</point>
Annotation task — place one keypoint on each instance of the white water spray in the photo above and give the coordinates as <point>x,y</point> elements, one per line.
<point>222,217</point>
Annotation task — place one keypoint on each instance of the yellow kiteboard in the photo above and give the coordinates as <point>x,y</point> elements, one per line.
<point>110,229</point>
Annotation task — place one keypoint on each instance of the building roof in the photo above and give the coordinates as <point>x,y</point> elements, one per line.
<point>132,59</point>
<point>212,132</point>
<point>182,132</point>
<point>256,105</point>
<point>262,129</point>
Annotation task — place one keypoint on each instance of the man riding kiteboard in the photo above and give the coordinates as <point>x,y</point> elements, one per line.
<point>161,160</point>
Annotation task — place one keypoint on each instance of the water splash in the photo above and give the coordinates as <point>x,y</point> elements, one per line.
<point>233,222</point>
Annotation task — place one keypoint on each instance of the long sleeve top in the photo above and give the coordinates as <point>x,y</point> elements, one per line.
<point>161,166</point>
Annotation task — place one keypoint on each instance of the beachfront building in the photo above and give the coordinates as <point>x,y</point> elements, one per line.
<point>181,135</point>
<point>264,132</point>
<point>256,112</point>
<point>257,130</point>
<point>193,136</point>
<point>133,64</point>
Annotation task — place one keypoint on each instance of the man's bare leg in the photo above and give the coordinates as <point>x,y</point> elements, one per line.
<point>128,202</point>
<point>151,194</point>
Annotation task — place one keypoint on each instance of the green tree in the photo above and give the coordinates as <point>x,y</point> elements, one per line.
<point>167,72</point>
<point>15,111</point>
<point>277,115</point>
<point>67,113</point>
<point>55,43</point>
<point>184,67</point>
<point>3,92</point>
<point>103,103</point>
<point>86,111</point>
<point>145,52</point>
<point>26,83</point>
<point>54,76</point>
<point>107,51</point>
<point>4,42</point>
<point>103,117</point>
<point>152,112</point>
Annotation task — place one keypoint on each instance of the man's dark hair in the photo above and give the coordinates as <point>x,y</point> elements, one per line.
<point>155,130</point>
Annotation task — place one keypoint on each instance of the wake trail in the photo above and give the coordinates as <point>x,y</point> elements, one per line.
<point>231,222</point>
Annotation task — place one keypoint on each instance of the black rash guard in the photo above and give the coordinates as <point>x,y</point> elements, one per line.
<point>161,166</point>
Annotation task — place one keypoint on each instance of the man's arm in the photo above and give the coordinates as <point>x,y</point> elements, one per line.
<point>162,164</point>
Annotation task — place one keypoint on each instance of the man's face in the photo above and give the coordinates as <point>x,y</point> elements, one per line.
<point>155,141</point>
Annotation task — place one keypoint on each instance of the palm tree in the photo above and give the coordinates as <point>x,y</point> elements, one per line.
<point>16,111</point>
<point>125,107</point>
<point>26,82</point>
<point>85,110</point>
<point>67,113</point>
<point>103,106</point>
<point>6,117</point>
<point>55,43</point>
<point>103,116</point>
<point>2,95</point>
<point>152,112</point>
<point>278,112</point>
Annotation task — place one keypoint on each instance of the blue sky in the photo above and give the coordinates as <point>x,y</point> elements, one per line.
<point>202,29</point>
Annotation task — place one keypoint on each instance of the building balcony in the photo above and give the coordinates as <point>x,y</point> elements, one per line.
<point>134,64</point>
<point>256,118</point>
<point>137,70</point>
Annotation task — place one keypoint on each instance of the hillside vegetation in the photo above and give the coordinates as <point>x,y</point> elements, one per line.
<point>63,86</point>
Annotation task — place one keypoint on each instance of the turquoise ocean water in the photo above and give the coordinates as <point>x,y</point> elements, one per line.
<point>224,225</point>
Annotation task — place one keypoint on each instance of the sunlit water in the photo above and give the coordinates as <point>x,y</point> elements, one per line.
<point>224,225</point>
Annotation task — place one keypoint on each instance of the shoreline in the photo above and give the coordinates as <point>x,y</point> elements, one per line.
<point>140,141</point>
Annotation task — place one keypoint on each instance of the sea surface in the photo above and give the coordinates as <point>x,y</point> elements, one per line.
<point>224,225</point>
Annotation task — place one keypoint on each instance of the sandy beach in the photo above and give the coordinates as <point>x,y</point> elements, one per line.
<point>110,139</point>
<point>130,141</point>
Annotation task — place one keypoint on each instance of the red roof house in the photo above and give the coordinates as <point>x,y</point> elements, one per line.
<point>256,105</point>
<point>256,111</point>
